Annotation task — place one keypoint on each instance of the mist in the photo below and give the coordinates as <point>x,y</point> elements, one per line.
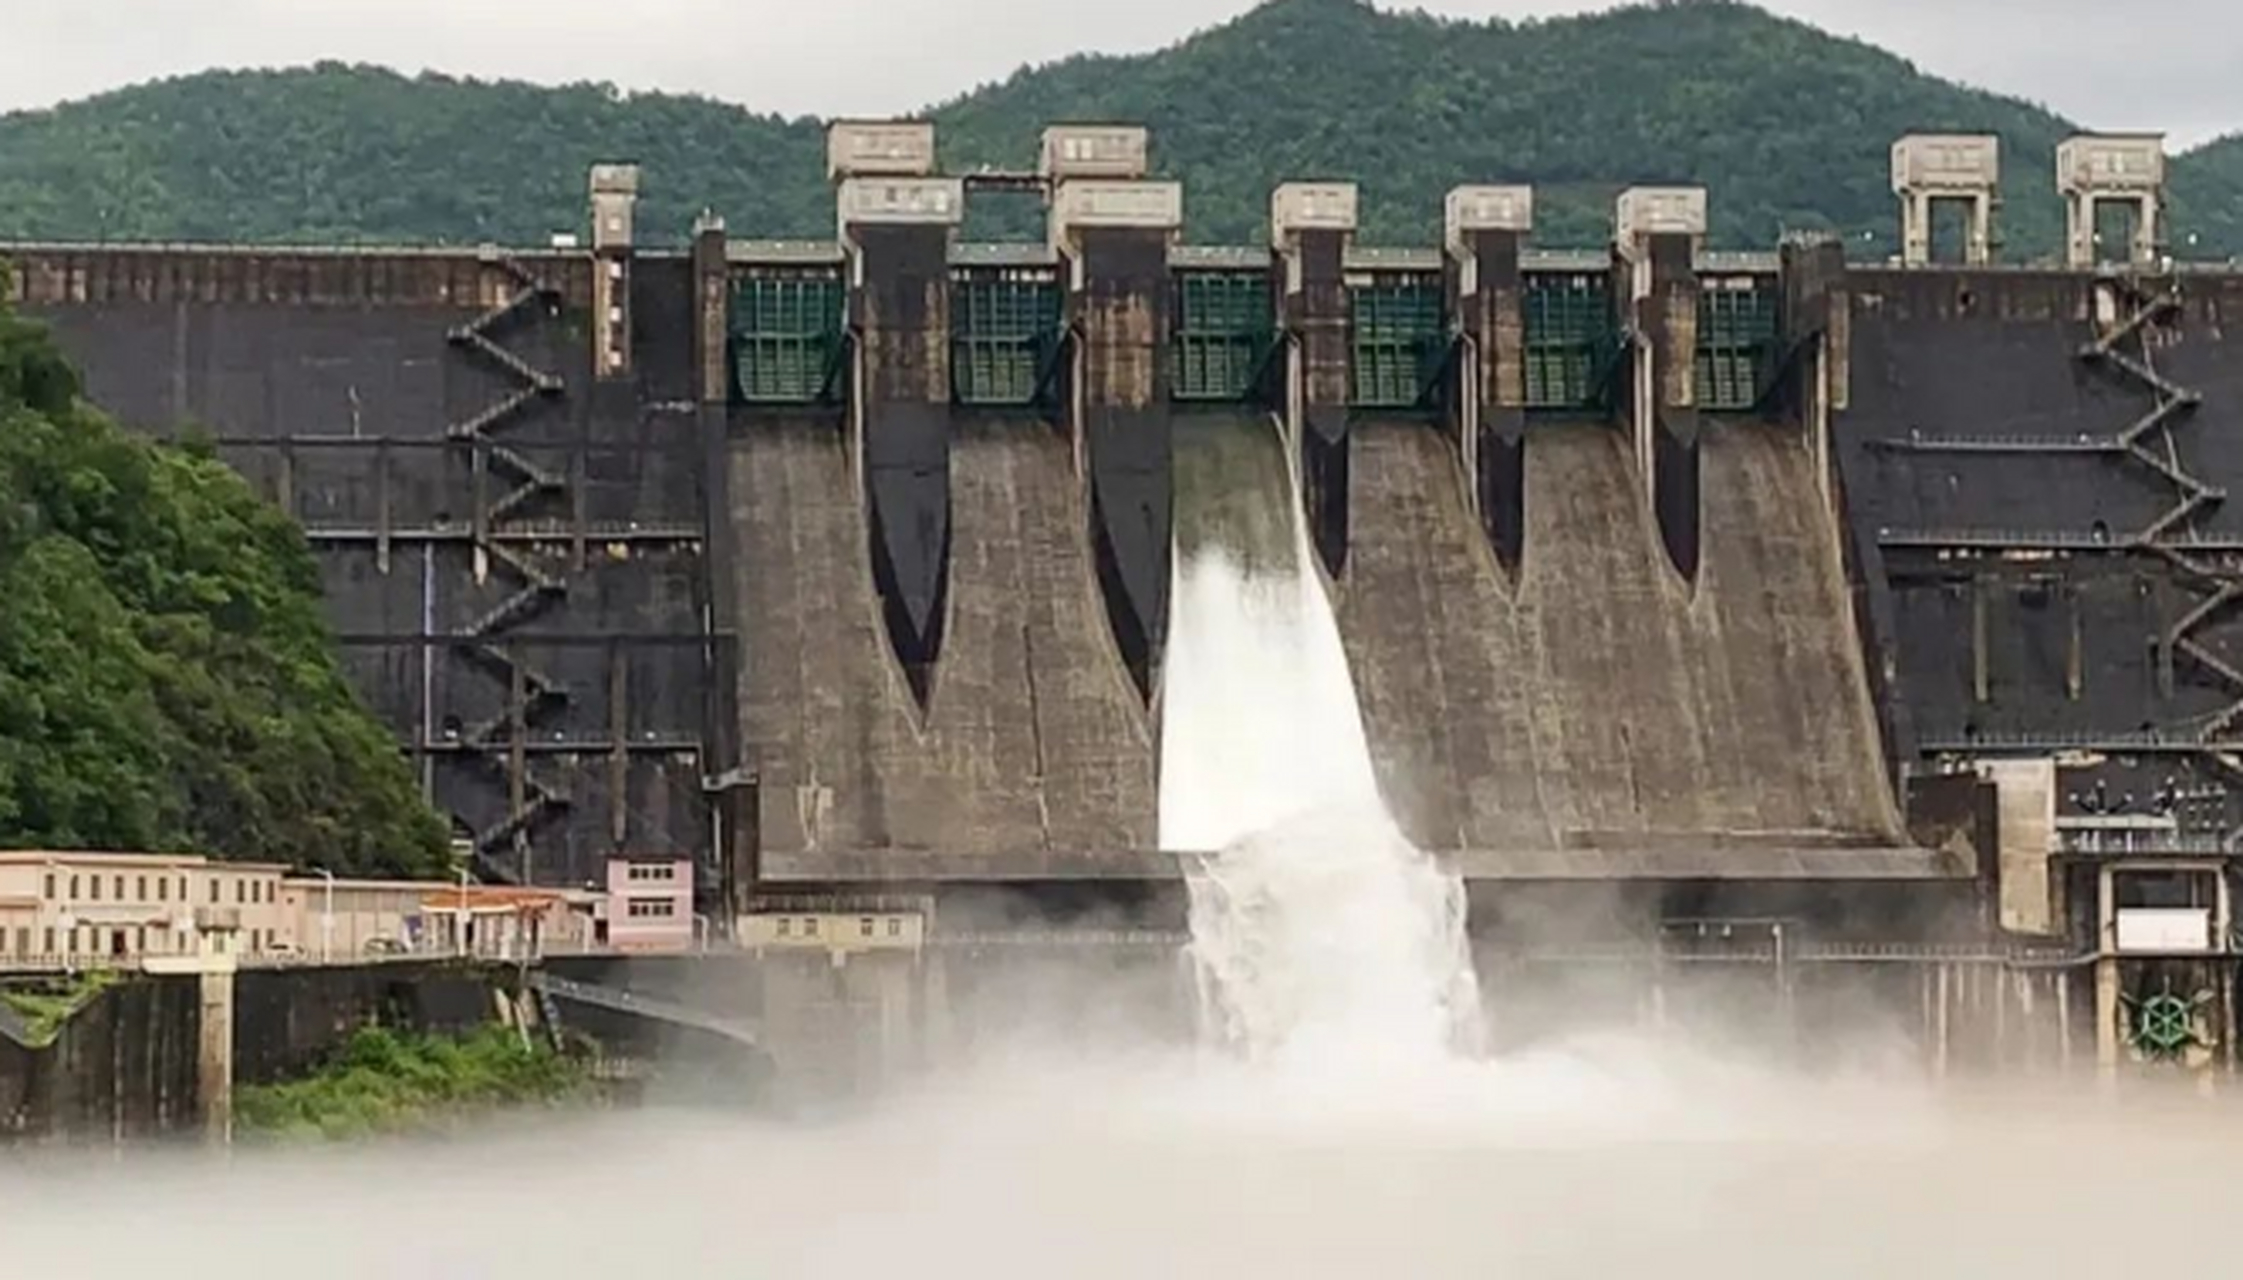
<point>1575,1160</point>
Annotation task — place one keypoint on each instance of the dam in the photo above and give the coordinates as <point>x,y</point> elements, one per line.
<point>1810,622</point>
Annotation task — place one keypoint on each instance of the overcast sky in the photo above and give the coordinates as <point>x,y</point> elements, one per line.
<point>2175,65</point>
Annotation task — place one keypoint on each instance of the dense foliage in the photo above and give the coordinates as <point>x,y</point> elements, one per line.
<point>1787,125</point>
<point>383,1082</point>
<point>167,680</point>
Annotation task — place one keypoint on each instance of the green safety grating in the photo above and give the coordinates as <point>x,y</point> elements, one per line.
<point>1400,336</point>
<point>1004,329</point>
<point>786,336</point>
<point>1571,339</point>
<point>1224,325</point>
<point>1737,327</point>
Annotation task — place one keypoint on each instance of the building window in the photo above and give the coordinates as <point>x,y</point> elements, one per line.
<point>50,886</point>
<point>895,926</point>
<point>94,883</point>
<point>241,892</point>
<point>810,927</point>
<point>652,908</point>
<point>73,888</point>
<point>182,888</point>
<point>140,889</point>
<point>864,927</point>
<point>23,942</point>
<point>653,871</point>
<point>163,888</point>
<point>214,888</point>
<point>786,927</point>
<point>140,941</point>
<point>119,885</point>
<point>50,940</point>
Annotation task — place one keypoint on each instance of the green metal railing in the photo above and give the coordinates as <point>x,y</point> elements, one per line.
<point>1004,334</point>
<point>1737,328</point>
<point>787,341</point>
<point>1400,338</point>
<point>1225,323</point>
<point>1572,336</point>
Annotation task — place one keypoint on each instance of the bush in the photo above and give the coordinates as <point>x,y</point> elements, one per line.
<point>382,1082</point>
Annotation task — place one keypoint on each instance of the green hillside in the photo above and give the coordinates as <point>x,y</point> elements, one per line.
<point>2208,198</point>
<point>1787,125</point>
<point>166,679</point>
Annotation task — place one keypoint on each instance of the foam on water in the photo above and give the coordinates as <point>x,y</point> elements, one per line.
<point>1321,936</point>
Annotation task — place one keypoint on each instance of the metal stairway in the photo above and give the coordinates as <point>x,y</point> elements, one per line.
<point>530,692</point>
<point>2124,349</point>
<point>2121,347</point>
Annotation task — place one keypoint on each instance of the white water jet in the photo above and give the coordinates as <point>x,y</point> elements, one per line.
<point>1320,935</point>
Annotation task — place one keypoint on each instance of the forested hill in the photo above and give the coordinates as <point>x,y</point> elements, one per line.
<point>1787,125</point>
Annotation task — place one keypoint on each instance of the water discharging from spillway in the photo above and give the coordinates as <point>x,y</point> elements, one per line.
<point>1319,934</point>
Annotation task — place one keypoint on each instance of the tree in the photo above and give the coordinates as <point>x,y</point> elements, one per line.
<point>167,681</point>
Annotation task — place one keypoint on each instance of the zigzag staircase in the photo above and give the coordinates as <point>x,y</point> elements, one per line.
<point>2123,347</point>
<point>530,692</point>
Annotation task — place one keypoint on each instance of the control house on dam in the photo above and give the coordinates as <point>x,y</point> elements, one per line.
<point>1760,623</point>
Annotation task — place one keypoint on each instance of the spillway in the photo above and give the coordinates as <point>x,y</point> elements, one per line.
<point>1611,704</point>
<point>1324,939</point>
<point>1033,741</point>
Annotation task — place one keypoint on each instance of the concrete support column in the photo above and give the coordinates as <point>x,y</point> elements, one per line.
<point>214,1043</point>
<point>2107,1035</point>
<point>1311,226</point>
<point>728,787</point>
<point>1113,236</point>
<point>1818,330</point>
<point>896,224</point>
<point>215,1061</point>
<point>1485,229</point>
<point>712,311</point>
<point>1659,231</point>
<point>615,196</point>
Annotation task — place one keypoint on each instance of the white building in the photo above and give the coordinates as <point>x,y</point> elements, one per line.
<point>83,909</point>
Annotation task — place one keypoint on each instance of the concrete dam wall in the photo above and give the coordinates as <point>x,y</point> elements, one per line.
<point>1615,706</point>
<point>510,545</point>
<point>657,579</point>
<point>2044,579</point>
<point>844,566</point>
<point>1033,751</point>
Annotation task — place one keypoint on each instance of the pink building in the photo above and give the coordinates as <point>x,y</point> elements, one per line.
<point>649,903</point>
